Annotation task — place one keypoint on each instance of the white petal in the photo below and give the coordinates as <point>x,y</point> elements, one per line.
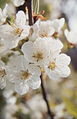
<point>33,68</point>
<point>20,19</point>
<point>61,21</point>
<point>18,2</point>
<point>52,74</point>
<point>2,83</point>
<point>25,32</point>
<point>63,60</point>
<point>27,49</point>
<point>63,71</point>
<point>45,27</point>
<point>35,82</point>
<point>34,29</point>
<point>58,24</point>
<point>2,18</point>
<point>5,10</point>
<point>55,45</point>
<point>21,88</point>
<point>6,31</point>
<point>71,36</point>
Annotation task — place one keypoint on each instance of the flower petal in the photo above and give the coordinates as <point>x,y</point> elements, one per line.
<point>71,36</point>
<point>2,83</point>
<point>63,60</point>
<point>63,71</point>
<point>21,88</point>
<point>20,19</point>
<point>52,74</point>
<point>57,24</point>
<point>5,10</point>
<point>35,82</point>
<point>6,31</point>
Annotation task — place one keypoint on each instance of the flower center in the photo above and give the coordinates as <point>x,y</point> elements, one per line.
<point>38,56</point>
<point>2,72</point>
<point>25,75</point>
<point>43,35</point>
<point>52,65</point>
<point>18,31</point>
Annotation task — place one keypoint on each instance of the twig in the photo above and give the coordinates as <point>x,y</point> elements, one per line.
<point>45,98</point>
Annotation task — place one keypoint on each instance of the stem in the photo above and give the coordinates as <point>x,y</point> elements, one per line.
<point>45,98</point>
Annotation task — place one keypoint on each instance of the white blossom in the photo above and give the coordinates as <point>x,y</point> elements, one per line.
<point>41,29</point>
<point>3,14</point>
<point>41,51</point>
<point>23,74</point>
<point>45,29</point>
<point>58,67</point>
<point>38,52</point>
<point>15,32</point>
<point>71,36</point>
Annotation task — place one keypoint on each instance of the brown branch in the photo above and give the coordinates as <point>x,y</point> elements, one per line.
<point>46,100</point>
<point>29,6</point>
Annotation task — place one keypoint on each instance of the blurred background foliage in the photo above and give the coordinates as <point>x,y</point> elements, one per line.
<point>3,2</point>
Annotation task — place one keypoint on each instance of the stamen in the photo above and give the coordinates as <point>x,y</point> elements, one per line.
<point>25,75</point>
<point>52,65</point>
<point>38,56</point>
<point>2,72</point>
<point>18,31</point>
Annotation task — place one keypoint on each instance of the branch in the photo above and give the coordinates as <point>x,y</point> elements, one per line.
<point>45,98</point>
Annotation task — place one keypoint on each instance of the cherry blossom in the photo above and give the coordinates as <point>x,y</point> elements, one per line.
<point>42,50</point>
<point>58,67</point>
<point>16,31</point>
<point>41,29</point>
<point>46,28</point>
<point>38,52</point>
<point>23,74</point>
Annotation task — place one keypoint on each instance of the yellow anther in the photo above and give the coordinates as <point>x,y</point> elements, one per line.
<point>52,65</point>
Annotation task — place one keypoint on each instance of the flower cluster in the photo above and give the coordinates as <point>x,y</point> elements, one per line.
<point>31,51</point>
